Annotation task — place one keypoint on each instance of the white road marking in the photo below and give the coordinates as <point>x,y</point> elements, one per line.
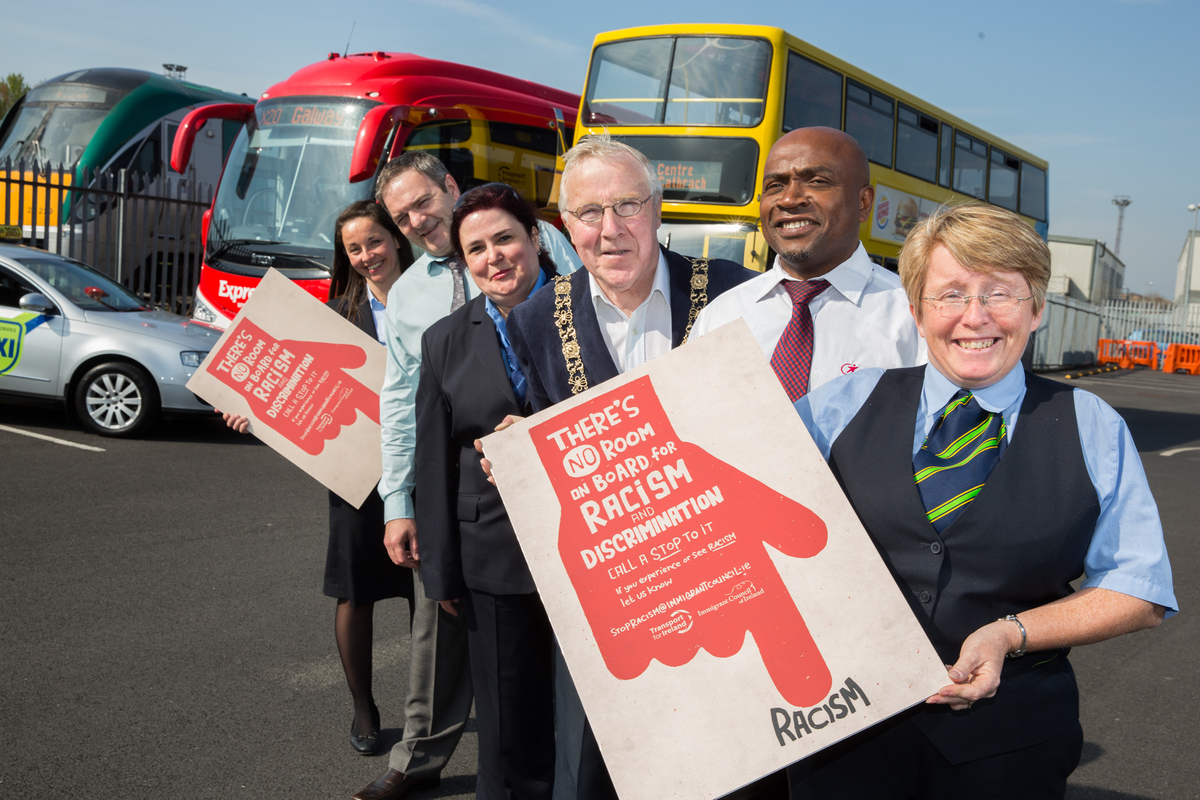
<point>1177,450</point>
<point>52,439</point>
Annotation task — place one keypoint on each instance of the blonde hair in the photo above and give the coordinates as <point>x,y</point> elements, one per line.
<point>982,238</point>
<point>605,148</point>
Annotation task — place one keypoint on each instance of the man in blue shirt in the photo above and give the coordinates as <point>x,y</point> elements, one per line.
<point>419,194</point>
<point>987,491</point>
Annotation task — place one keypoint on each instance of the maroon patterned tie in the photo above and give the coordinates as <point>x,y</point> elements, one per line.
<point>792,359</point>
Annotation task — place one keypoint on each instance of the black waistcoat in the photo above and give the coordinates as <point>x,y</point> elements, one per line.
<point>1015,547</point>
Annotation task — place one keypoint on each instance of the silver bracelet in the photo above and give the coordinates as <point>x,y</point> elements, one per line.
<point>1020,651</point>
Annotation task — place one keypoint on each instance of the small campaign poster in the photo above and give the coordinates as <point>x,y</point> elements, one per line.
<point>309,382</point>
<point>720,607</point>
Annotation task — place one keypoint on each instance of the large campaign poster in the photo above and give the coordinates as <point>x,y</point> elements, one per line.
<point>720,607</point>
<point>309,382</point>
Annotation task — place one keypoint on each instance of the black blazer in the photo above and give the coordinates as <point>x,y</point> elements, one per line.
<point>536,340</point>
<point>465,538</point>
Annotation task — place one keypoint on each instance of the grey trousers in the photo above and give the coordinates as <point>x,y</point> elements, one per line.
<point>439,688</point>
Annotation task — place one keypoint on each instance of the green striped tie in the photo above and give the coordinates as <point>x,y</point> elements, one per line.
<point>960,452</point>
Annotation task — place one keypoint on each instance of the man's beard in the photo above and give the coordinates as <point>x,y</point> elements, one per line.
<point>796,256</point>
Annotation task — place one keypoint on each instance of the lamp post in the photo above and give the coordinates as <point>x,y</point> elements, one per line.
<point>1187,276</point>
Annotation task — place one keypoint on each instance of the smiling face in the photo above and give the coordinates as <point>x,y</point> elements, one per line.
<point>974,348</point>
<point>816,192</point>
<point>620,252</point>
<point>422,210</point>
<point>372,251</point>
<point>501,255</point>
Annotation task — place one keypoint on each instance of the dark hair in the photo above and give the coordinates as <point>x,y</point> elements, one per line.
<point>348,286</point>
<point>420,161</point>
<point>505,198</point>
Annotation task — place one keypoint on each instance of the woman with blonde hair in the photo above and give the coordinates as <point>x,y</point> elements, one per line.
<point>987,491</point>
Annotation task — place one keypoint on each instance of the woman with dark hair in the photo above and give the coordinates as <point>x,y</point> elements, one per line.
<point>369,255</point>
<point>470,559</point>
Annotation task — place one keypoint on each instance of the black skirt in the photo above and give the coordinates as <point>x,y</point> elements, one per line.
<point>357,566</point>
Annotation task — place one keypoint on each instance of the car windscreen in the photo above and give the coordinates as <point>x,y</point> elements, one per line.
<point>84,286</point>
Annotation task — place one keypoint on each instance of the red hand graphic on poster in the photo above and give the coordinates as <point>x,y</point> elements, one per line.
<point>301,389</point>
<point>664,544</point>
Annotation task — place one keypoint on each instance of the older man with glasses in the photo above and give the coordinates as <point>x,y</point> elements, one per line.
<point>633,301</point>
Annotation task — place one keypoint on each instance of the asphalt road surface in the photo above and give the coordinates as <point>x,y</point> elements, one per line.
<point>163,631</point>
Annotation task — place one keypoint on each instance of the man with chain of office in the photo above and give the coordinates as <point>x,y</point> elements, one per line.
<point>633,301</point>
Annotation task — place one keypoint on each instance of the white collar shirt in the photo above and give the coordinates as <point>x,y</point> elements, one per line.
<point>646,333</point>
<point>861,320</point>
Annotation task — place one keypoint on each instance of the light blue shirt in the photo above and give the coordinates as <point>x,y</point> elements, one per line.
<point>419,298</point>
<point>512,367</point>
<point>377,310</point>
<point>1127,553</point>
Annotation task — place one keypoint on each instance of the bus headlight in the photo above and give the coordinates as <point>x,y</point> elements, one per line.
<point>201,310</point>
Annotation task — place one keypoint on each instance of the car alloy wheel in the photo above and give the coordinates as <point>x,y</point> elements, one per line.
<point>116,399</point>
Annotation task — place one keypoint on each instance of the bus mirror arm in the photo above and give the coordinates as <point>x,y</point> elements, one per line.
<point>373,132</point>
<point>181,152</point>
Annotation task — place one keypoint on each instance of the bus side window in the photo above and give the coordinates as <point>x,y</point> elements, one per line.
<point>946,152</point>
<point>1002,179</point>
<point>814,95</point>
<point>870,120</point>
<point>172,129</point>
<point>970,161</point>
<point>1033,191</point>
<point>917,144</point>
<point>520,167</point>
<point>450,141</point>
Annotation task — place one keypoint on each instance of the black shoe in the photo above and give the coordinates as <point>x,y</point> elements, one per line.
<point>393,785</point>
<point>367,745</point>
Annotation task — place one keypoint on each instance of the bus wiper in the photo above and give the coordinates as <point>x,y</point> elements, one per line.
<point>252,241</point>
<point>301,257</point>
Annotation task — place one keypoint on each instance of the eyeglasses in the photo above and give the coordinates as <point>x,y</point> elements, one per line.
<point>590,215</point>
<point>494,186</point>
<point>953,304</point>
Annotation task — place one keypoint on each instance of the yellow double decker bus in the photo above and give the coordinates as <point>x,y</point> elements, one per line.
<point>706,102</point>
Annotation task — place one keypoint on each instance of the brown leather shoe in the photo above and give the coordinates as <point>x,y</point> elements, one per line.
<point>394,784</point>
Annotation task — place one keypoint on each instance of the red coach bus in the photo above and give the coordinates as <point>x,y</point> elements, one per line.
<point>314,143</point>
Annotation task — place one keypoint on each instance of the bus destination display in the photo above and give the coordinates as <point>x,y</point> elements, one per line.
<point>305,114</point>
<point>689,174</point>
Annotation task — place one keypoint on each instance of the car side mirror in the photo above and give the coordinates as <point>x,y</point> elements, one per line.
<point>38,303</point>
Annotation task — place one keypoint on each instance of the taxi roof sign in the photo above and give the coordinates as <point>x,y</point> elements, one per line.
<point>10,233</point>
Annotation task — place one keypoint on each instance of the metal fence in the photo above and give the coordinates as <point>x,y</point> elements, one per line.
<point>142,231</point>
<point>1071,329</point>
<point>1154,322</point>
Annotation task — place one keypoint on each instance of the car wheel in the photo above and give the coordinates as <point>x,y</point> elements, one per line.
<point>116,399</point>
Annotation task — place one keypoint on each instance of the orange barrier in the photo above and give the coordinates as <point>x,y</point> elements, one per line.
<point>1184,357</point>
<point>1112,351</point>
<point>1140,354</point>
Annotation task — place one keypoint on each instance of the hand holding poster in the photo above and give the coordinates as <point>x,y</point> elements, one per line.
<point>720,607</point>
<point>307,379</point>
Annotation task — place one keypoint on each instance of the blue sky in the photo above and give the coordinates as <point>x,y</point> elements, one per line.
<point>1105,90</point>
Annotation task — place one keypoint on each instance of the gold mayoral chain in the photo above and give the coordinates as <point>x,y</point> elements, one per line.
<point>564,319</point>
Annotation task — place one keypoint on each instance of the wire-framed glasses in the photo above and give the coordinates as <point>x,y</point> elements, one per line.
<point>953,304</point>
<point>591,214</point>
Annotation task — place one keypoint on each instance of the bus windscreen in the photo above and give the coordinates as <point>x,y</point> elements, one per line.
<point>686,80</point>
<point>287,180</point>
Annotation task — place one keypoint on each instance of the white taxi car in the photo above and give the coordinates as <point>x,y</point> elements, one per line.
<point>70,334</point>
